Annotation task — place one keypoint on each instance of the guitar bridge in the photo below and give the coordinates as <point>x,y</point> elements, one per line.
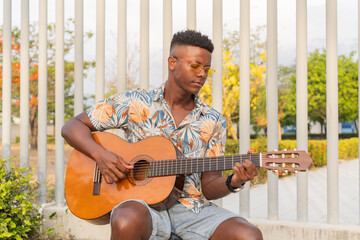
<point>97,181</point>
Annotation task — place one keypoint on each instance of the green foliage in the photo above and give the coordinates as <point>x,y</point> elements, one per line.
<point>348,149</point>
<point>19,217</point>
<point>347,88</point>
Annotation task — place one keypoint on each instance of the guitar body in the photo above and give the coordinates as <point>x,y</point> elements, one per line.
<point>157,192</point>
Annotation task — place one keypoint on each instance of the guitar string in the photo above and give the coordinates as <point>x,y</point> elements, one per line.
<point>197,161</point>
<point>163,165</point>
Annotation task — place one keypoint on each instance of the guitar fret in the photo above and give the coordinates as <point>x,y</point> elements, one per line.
<point>224,163</point>
<point>167,167</point>
<point>176,166</point>
<point>181,171</point>
<point>172,169</point>
<point>210,164</point>
<point>188,166</point>
<point>157,168</point>
<point>150,169</point>
<point>217,161</point>
<point>191,166</point>
<point>160,168</point>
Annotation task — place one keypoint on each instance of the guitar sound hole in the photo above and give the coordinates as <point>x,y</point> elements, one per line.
<point>139,171</point>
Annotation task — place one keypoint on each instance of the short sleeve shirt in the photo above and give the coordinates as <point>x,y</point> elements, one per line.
<point>145,113</point>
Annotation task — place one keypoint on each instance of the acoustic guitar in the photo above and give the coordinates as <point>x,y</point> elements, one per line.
<point>157,176</point>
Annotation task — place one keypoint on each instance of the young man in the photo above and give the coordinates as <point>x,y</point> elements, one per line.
<point>174,111</point>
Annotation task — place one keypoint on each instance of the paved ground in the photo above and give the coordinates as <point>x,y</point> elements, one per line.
<point>317,182</point>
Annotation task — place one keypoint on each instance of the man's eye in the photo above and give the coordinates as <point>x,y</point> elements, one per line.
<point>195,66</point>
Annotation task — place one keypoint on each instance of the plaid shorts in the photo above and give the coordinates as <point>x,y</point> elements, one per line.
<point>184,223</point>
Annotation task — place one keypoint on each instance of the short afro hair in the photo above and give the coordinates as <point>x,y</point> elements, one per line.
<point>192,38</point>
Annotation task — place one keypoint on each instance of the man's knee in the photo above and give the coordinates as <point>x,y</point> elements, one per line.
<point>249,232</point>
<point>237,229</point>
<point>131,216</point>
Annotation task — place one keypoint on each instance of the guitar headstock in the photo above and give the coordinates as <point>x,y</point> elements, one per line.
<point>282,162</point>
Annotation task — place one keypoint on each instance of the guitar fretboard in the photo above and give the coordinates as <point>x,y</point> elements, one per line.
<point>200,164</point>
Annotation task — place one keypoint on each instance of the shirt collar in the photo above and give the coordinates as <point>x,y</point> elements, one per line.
<point>200,105</point>
<point>160,92</point>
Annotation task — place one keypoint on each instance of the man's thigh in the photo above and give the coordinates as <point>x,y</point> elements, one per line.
<point>195,226</point>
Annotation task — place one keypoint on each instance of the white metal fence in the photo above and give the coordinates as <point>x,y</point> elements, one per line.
<point>217,23</point>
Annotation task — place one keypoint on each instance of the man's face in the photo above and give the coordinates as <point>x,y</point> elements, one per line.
<point>184,64</point>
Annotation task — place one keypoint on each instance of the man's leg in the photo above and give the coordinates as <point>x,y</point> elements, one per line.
<point>236,228</point>
<point>131,221</point>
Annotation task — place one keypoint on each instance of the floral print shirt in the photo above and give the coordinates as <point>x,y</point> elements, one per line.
<point>144,113</point>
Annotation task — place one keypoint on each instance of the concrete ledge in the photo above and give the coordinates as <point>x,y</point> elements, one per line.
<point>273,229</point>
<point>69,226</point>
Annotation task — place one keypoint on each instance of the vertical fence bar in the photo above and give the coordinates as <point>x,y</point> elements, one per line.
<point>121,54</point>
<point>191,14</point>
<point>244,104</point>
<point>59,104</point>
<point>144,44</point>
<point>6,91</point>
<point>42,107</point>
<point>301,105</point>
<point>217,55</point>
<point>217,60</point>
<point>332,121</point>
<point>359,92</point>
<point>272,103</point>
<point>79,57</point>
<point>24,85</point>
<point>167,33</point>
<point>100,50</point>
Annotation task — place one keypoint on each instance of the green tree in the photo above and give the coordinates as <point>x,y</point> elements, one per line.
<point>347,89</point>
<point>33,78</point>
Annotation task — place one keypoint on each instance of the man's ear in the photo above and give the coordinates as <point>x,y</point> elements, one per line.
<point>171,63</point>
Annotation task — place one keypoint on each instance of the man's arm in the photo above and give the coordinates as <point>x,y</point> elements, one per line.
<point>77,132</point>
<point>214,184</point>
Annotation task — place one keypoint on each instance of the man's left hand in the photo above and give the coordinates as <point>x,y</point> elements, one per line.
<point>243,172</point>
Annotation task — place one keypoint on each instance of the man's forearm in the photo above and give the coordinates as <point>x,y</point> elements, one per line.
<point>78,135</point>
<point>214,185</point>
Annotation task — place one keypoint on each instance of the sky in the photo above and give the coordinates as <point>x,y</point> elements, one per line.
<point>316,21</point>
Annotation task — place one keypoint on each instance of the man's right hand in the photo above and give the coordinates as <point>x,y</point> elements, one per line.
<point>112,167</point>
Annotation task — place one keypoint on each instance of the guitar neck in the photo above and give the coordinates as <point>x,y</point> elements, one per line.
<point>199,164</point>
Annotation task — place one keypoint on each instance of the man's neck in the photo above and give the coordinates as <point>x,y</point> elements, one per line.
<point>176,98</point>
